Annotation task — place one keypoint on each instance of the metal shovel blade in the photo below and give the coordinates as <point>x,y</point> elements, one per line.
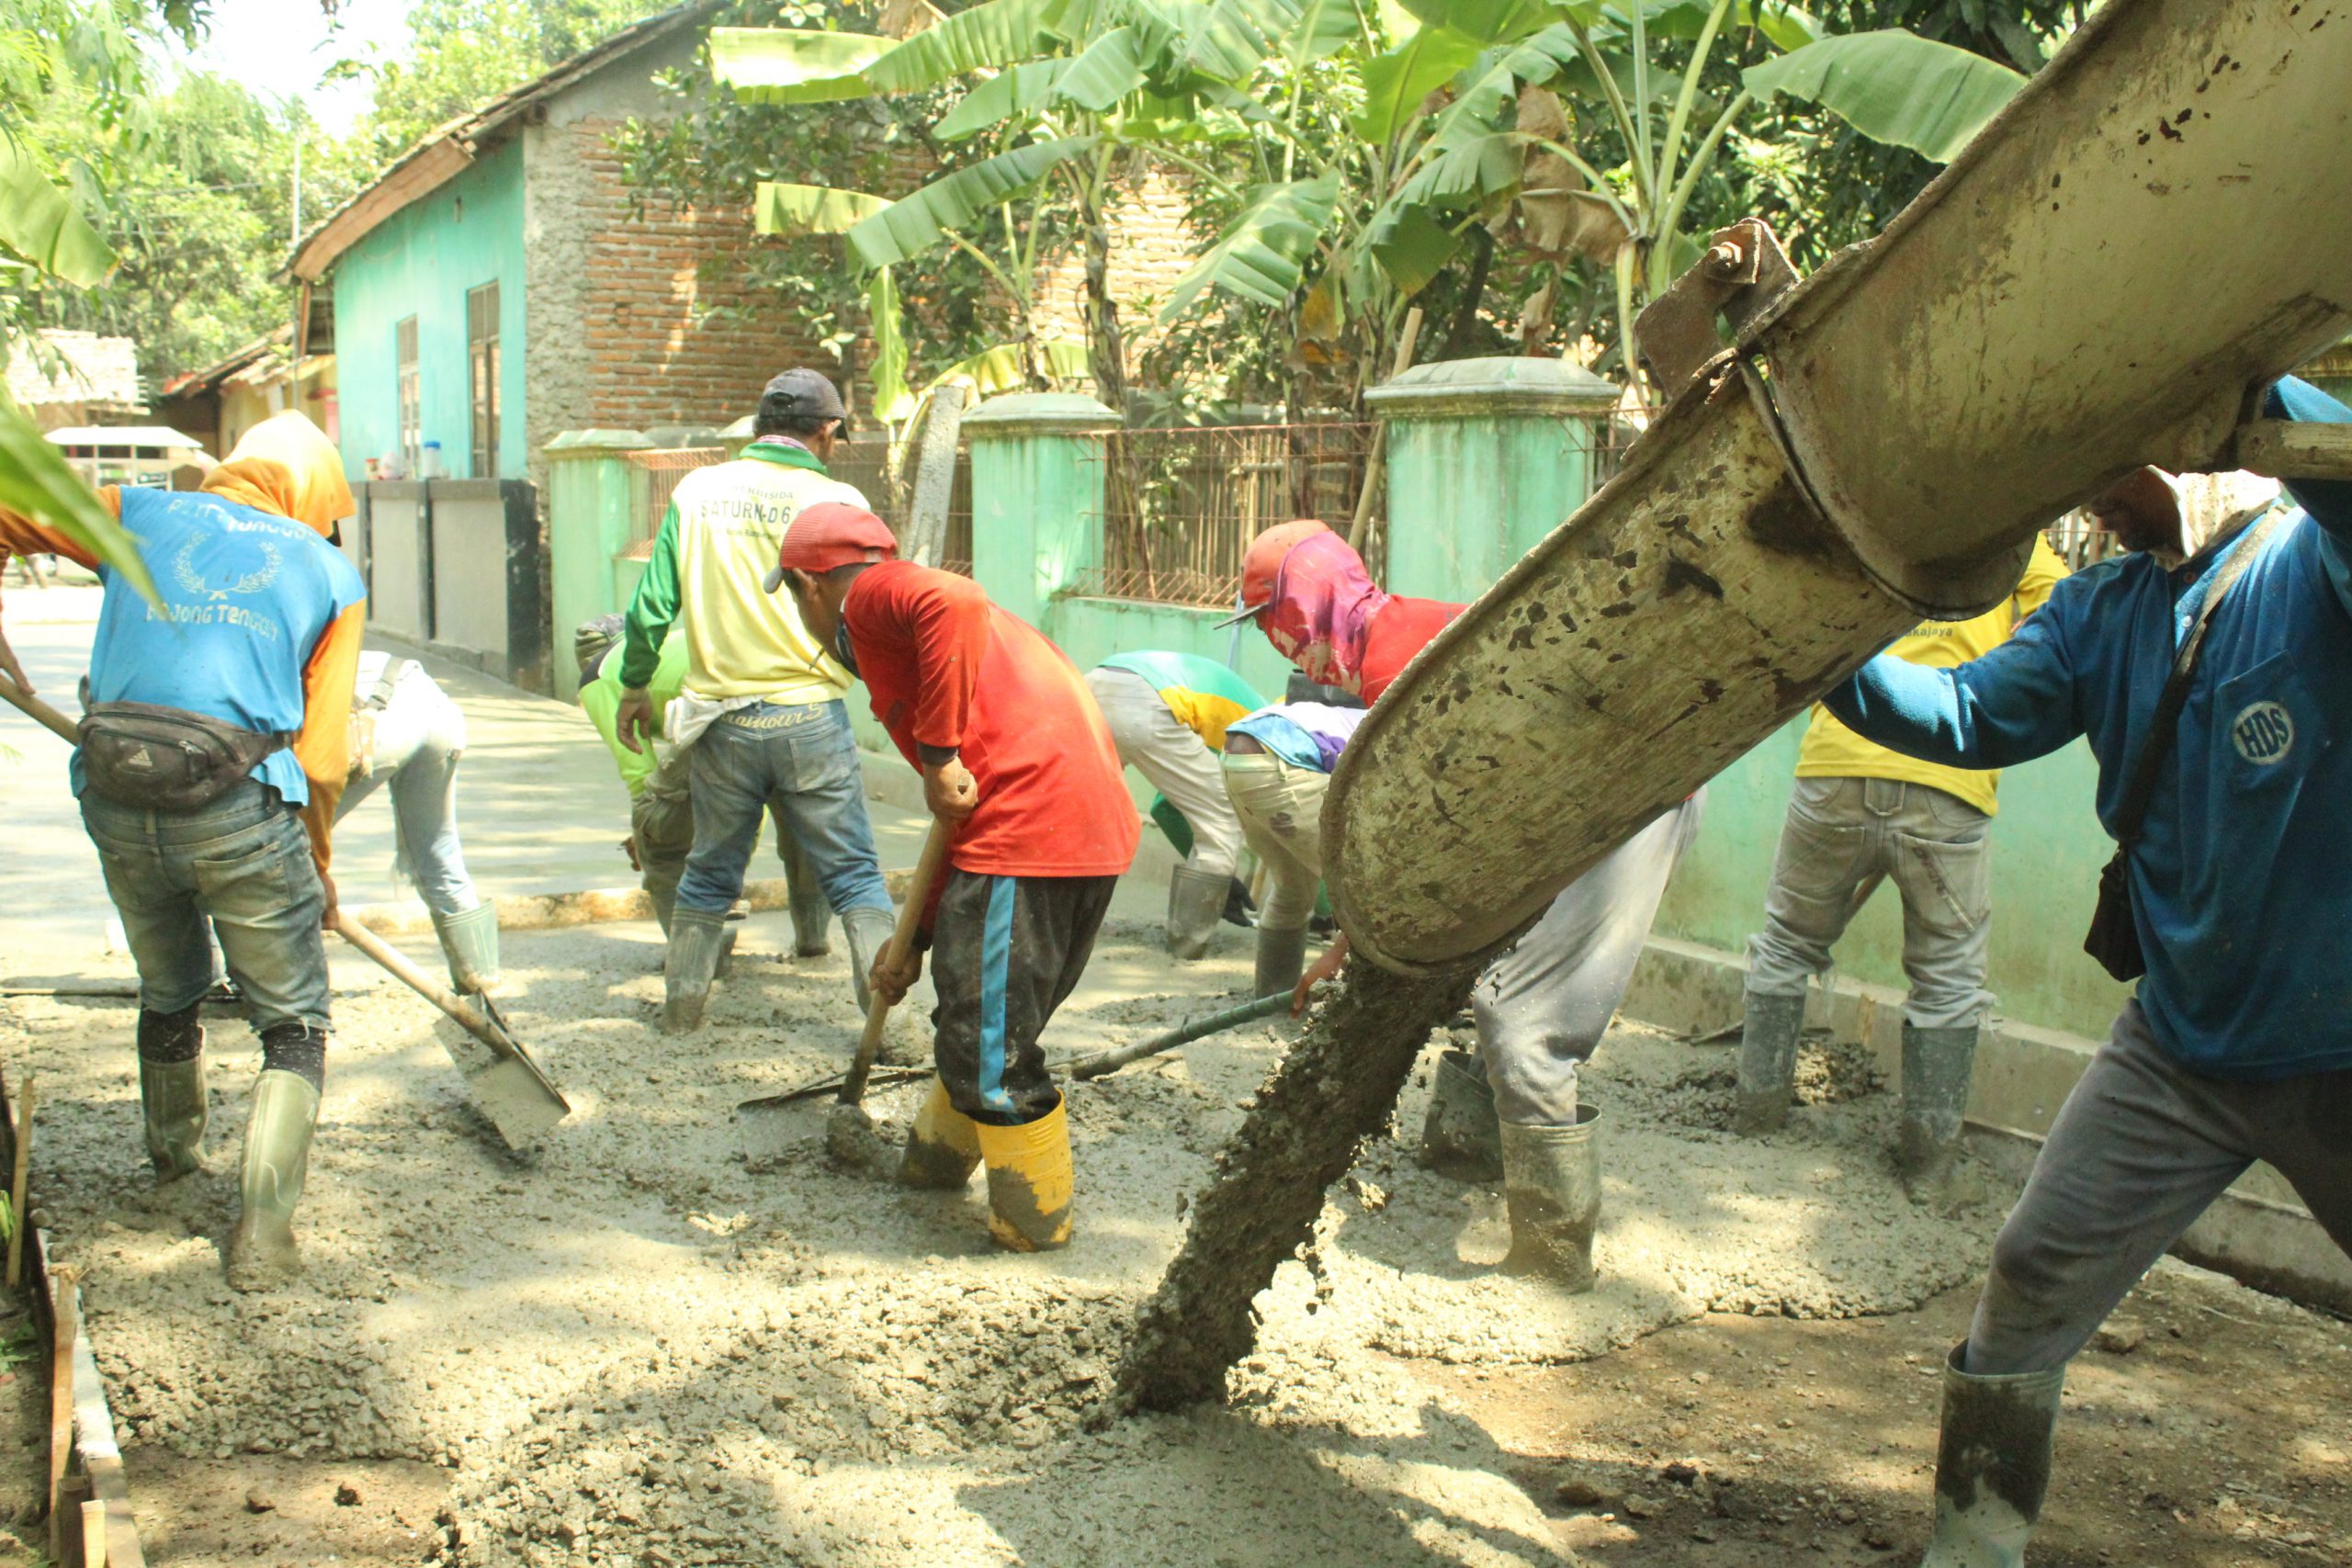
<point>508,1089</point>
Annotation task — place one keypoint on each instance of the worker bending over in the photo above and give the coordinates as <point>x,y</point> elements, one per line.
<point>1278,763</point>
<point>2238,891</point>
<point>759,709</point>
<point>1542,1006</point>
<point>660,788</point>
<point>1015,754</point>
<point>1860,813</point>
<point>212,756</point>
<point>1166,713</point>
<point>405,729</point>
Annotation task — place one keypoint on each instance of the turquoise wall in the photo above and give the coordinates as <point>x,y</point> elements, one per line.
<point>421,262</point>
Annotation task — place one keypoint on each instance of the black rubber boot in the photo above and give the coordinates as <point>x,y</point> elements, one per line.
<point>1551,1188</point>
<point>1992,1465</point>
<point>869,931</point>
<point>1768,1062</point>
<point>1937,1066</point>
<point>1463,1137</point>
<point>172,1099</point>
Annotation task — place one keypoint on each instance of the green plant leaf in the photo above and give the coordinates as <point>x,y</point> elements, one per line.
<point>1261,254</point>
<point>784,66</point>
<point>1397,82</point>
<point>36,480</point>
<point>1411,246</point>
<point>892,402</point>
<point>780,208</point>
<point>1022,92</point>
<point>1785,25</point>
<point>1111,68</point>
<point>914,225</point>
<point>1469,152</point>
<point>1488,21</point>
<point>988,37</point>
<point>39,223</point>
<point>1895,86</point>
<point>1004,369</point>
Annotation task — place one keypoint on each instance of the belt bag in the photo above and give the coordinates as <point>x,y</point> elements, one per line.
<point>162,759</point>
<point>2114,937</point>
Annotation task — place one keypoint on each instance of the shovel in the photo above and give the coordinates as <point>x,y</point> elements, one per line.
<point>506,1085</point>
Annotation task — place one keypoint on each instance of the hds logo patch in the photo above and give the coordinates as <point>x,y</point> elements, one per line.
<point>2263,733</point>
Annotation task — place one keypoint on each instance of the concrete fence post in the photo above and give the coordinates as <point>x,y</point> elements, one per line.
<point>1484,457</point>
<point>594,498</point>
<point>1039,484</point>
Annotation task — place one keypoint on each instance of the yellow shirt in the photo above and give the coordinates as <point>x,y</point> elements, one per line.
<point>742,641</point>
<point>1832,751</point>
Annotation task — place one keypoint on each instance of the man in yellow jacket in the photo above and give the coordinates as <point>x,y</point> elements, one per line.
<point>1860,813</point>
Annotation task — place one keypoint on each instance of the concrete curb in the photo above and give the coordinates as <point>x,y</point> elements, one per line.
<point>592,906</point>
<point>2260,1232</point>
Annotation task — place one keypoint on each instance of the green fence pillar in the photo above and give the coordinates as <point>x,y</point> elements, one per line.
<point>595,496</point>
<point>1484,457</point>
<point>1038,494</point>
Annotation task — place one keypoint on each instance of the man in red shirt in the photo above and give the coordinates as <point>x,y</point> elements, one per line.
<point>1014,751</point>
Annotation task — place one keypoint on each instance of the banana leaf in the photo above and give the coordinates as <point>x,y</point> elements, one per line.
<point>40,225</point>
<point>782,208</point>
<point>892,402</point>
<point>1397,81</point>
<point>783,66</point>
<point>915,223</point>
<point>1262,255</point>
<point>988,37</point>
<point>36,481</point>
<point>1894,86</point>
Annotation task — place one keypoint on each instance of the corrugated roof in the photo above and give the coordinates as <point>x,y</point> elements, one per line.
<point>449,149</point>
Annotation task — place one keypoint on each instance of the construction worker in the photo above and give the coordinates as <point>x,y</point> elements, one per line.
<point>2235,892</point>
<point>662,816</point>
<point>759,710</point>
<point>1015,754</point>
<point>1542,1006</point>
<point>1278,762</point>
<point>404,728</point>
<point>1166,713</point>
<point>212,756</point>
<point>1860,813</point>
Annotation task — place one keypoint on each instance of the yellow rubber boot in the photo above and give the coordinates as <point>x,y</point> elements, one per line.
<point>943,1146</point>
<point>1029,1182</point>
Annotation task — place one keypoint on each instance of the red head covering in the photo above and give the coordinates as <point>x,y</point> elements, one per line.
<point>1322,607</point>
<point>1265,557</point>
<point>831,534</point>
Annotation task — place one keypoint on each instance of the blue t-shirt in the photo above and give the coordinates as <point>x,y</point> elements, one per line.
<point>247,596</point>
<point>1304,735</point>
<point>2242,878</point>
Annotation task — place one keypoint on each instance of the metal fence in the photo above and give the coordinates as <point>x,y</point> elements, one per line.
<point>1181,505</point>
<point>865,463</point>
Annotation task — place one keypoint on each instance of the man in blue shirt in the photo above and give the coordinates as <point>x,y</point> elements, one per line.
<point>2238,1045</point>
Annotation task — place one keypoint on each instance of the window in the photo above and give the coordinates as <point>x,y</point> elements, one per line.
<point>481,354</point>
<point>410,398</point>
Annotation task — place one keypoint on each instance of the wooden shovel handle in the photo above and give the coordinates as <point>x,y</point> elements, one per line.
<point>417,980</point>
<point>34,708</point>
<point>927,868</point>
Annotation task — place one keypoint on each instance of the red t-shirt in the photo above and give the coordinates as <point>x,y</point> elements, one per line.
<point>947,667</point>
<point>1401,630</point>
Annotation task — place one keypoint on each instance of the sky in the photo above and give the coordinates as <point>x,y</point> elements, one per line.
<point>280,48</point>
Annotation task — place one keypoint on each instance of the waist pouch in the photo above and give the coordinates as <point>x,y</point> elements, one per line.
<point>164,759</point>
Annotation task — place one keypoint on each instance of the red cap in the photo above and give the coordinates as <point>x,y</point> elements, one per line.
<point>1265,559</point>
<point>831,534</point>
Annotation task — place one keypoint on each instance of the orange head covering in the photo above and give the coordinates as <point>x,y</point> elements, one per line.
<point>1264,560</point>
<point>286,464</point>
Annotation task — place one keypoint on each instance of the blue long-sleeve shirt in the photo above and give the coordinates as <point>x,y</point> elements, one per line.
<point>2242,877</point>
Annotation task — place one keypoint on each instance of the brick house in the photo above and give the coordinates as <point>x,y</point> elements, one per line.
<point>490,289</point>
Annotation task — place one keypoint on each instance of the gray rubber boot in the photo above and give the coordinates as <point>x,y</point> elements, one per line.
<point>1195,905</point>
<point>869,931</point>
<point>1552,1189</point>
<point>172,1100</point>
<point>812,912</point>
<point>696,939</point>
<point>1937,1066</point>
<point>470,942</point>
<point>1768,1062</point>
<point>1282,960</point>
<point>262,1254</point>
<point>665,904</point>
<point>1992,1465</point>
<point>1463,1137</point>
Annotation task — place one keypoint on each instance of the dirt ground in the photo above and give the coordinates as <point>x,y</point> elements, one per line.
<point>669,1337</point>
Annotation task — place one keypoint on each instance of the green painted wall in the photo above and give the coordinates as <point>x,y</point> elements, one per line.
<point>421,262</point>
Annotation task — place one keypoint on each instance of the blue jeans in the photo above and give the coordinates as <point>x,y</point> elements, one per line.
<point>419,736</point>
<point>245,861</point>
<point>802,760</point>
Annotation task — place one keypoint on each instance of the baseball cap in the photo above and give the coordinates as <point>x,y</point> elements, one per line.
<point>830,534</point>
<point>804,394</point>
<point>1264,560</point>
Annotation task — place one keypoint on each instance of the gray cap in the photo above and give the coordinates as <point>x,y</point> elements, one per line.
<point>802,394</point>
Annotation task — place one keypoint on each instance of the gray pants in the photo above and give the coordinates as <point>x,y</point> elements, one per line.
<point>662,820</point>
<point>1154,742</point>
<point>2141,1146</point>
<point>1545,1005</point>
<point>1841,836</point>
<point>416,735</point>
